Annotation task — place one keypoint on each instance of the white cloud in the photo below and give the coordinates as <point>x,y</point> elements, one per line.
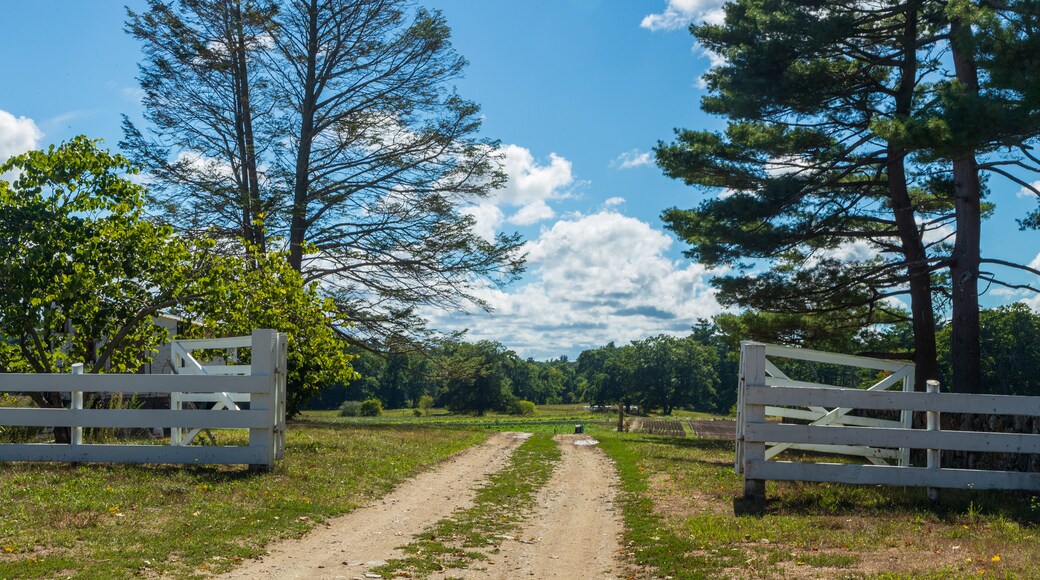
<point>488,219</point>
<point>532,213</point>
<point>1033,302</point>
<point>1025,192</point>
<point>594,279</point>
<point>530,182</point>
<point>530,186</point>
<point>854,251</point>
<point>613,201</point>
<point>714,60</point>
<point>17,135</point>
<point>633,158</point>
<point>680,13</point>
<point>1035,264</point>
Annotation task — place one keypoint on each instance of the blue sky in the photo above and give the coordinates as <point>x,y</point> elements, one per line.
<point>577,91</point>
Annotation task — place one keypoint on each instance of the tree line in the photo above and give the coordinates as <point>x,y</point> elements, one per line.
<point>660,374</point>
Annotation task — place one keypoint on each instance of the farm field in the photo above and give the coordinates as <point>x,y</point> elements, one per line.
<point>675,495</point>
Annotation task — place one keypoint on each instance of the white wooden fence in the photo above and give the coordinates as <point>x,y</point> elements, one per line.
<point>886,444</point>
<point>263,382</point>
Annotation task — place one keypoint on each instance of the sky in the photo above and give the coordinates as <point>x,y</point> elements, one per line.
<point>576,91</point>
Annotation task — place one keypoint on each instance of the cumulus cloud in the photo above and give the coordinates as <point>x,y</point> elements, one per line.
<point>530,186</point>
<point>680,13</point>
<point>17,135</point>
<point>633,158</point>
<point>1035,263</point>
<point>594,279</point>
<point>1025,192</point>
<point>854,251</point>
<point>488,219</point>
<point>613,201</point>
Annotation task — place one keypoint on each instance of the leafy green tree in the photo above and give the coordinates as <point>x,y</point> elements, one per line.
<point>1010,349</point>
<point>473,377</point>
<point>83,270</point>
<point>263,291</point>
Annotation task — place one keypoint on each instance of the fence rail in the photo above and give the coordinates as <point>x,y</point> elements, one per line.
<point>263,386</point>
<point>761,395</point>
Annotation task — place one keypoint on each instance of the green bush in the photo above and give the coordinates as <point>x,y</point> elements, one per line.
<point>426,404</point>
<point>350,409</point>
<point>516,406</point>
<point>371,408</point>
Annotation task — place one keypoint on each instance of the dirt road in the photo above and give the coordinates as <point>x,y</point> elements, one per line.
<point>352,544</point>
<point>573,532</point>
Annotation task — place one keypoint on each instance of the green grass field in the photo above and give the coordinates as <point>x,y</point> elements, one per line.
<point>112,521</point>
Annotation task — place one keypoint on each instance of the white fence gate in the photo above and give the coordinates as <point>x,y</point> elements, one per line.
<point>262,384</point>
<point>886,444</point>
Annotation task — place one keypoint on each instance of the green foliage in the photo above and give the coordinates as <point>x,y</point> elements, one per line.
<point>262,291</point>
<point>226,85</point>
<point>370,408</point>
<point>527,408</point>
<point>660,372</point>
<point>350,409</point>
<point>1010,349</point>
<point>472,377</point>
<point>83,270</point>
<point>425,404</point>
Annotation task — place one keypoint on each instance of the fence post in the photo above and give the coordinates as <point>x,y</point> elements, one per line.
<point>282,370</point>
<point>262,440</point>
<point>934,455</point>
<point>77,405</point>
<point>907,417</point>
<point>752,376</point>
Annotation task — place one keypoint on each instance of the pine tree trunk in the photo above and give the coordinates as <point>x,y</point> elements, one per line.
<point>964,263</point>
<point>914,253</point>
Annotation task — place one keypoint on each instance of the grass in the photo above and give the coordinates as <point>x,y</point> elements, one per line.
<point>677,500</point>
<point>676,497</point>
<point>471,535</point>
<point>549,418</point>
<point>115,521</point>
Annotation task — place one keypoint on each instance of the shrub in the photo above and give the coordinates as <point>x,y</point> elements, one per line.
<point>516,406</point>
<point>426,403</point>
<point>350,409</point>
<point>371,408</point>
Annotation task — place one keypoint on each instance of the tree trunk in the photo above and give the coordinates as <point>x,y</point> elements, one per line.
<point>919,274</point>
<point>301,185</point>
<point>249,178</point>
<point>914,253</point>
<point>964,263</point>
